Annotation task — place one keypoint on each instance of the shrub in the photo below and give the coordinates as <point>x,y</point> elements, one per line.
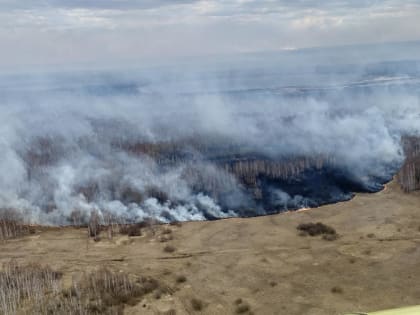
<point>165,238</point>
<point>181,279</point>
<point>337,290</point>
<point>149,285</point>
<point>131,229</point>
<point>314,229</point>
<point>176,223</point>
<point>166,231</point>
<point>197,304</point>
<point>242,308</point>
<point>169,249</point>
<point>158,294</point>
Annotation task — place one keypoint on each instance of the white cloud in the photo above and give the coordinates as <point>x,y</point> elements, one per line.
<point>58,31</point>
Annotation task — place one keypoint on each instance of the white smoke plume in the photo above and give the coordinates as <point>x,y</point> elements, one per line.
<point>67,140</point>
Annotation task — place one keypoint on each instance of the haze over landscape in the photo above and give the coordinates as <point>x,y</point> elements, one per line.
<point>185,145</point>
<point>123,121</point>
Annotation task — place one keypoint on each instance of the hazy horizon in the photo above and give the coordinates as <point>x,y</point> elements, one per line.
<point>111,33</point>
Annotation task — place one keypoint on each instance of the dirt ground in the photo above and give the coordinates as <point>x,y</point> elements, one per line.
<point>375,263</point>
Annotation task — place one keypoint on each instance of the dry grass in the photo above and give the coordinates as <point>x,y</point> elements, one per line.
<point>224,252</point>
<point>330,237</point>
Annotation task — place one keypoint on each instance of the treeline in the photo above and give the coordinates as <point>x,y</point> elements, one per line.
<point>35,289</point>
<point>209,179</point>
<point>245,166</point>
<point>213,165</point>
<point>249,170</point>
<point>409,174</point>
<point>12,225</point>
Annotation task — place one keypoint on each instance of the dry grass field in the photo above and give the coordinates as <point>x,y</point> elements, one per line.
<point>260,265</point>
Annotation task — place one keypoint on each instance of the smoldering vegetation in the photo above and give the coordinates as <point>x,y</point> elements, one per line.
<point>196,143</point>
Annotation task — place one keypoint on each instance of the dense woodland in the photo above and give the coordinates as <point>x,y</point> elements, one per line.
<point>215,167</point>
<point>246,167</point>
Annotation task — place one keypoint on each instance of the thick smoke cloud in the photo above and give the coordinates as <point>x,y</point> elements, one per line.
<point>73,143</point>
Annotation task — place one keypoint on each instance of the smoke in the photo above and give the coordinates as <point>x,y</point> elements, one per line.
<point>159,142</point>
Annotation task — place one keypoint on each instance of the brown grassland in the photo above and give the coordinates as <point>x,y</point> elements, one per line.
<point>367,259</point>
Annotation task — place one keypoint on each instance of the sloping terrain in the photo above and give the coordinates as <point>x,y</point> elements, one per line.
<point>374,264</point>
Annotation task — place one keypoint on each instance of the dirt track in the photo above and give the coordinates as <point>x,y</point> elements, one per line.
<point>375,264</point>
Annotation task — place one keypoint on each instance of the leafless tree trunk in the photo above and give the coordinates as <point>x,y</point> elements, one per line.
<point>409,174</point>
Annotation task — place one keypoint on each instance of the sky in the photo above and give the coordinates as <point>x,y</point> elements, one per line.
<point>63,32</point>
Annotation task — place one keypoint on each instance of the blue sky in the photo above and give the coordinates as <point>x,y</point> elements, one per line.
<point>46,32</point>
